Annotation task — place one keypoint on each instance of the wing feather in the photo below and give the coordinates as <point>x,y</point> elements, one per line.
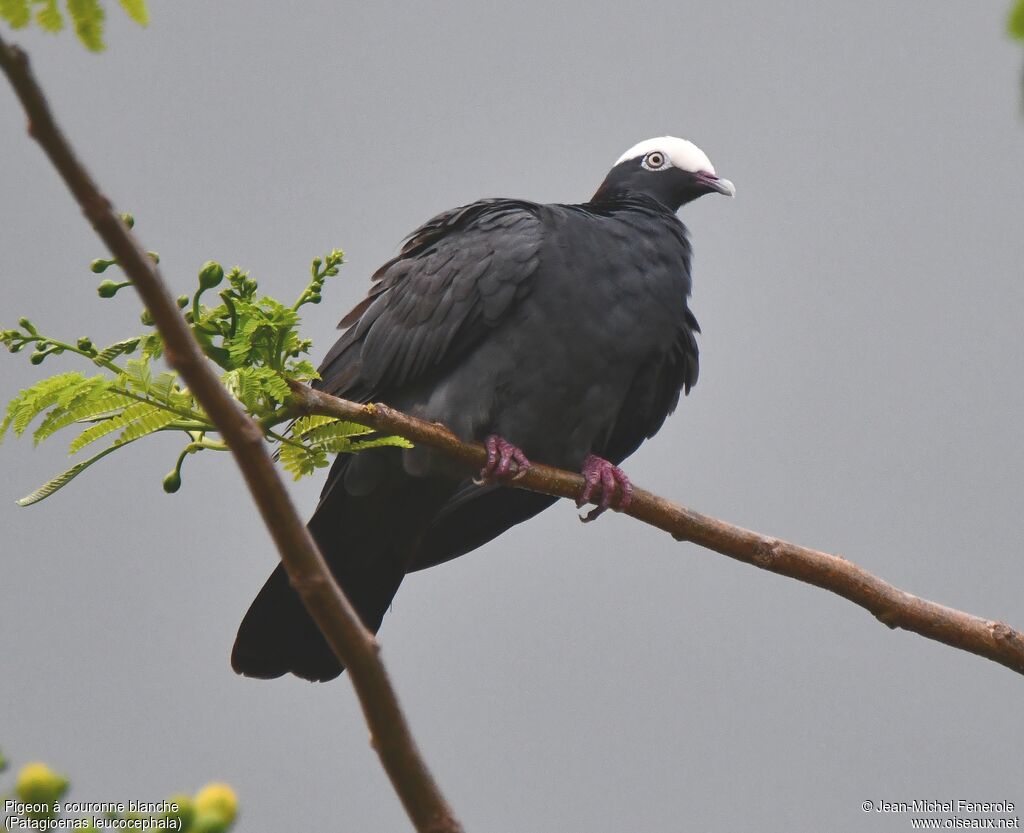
<point>457,277</point>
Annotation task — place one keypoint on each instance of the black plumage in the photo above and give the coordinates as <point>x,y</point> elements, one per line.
<point>563,330</point>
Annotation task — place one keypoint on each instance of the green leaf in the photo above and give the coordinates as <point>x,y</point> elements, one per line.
<point>137,376</point>
<point>146,423</point>
<point>32,401</point>
<point>49,17</point>
<point>109,425</point>
<point>62,480</point>
<point>87,16</point>
<point>137,11</point>
<point>375,442</point>
<point>15,12</point>
<point>324,435</point>
<point>300,460</point>
<point>118,348</point>
<point>152,346</point>
<point>164,385</point>
<point>1015,22</point>
<point>84,401</point>
<point>259,389</point>
<point>303,425</point>
<point>275,386</point>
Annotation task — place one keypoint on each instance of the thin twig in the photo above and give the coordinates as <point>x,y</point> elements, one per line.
<point>893,607</point>
<point>353,644</point>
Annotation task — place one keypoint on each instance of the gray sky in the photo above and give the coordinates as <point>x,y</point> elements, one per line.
<point>860,392</point>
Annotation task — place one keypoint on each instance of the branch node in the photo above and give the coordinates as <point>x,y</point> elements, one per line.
<point>766,551</point>
<point>1007,637</point>
<point>890,617</point>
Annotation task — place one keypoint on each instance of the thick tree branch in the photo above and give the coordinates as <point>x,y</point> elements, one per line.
<point>893,607</point>
<point>354,645</point>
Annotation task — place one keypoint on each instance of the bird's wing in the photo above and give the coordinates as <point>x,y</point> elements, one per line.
<point>475,514</point>
<point>654,394</point>
<point>456,278</point>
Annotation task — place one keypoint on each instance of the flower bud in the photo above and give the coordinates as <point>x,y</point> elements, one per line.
<point>38,784</point>
<point>100,265</point>
<point>184,813</point>
<point>211,274</point>
<point>108,289</point>
<point>172,482</point>
<point>217,800</point>
<point>209,823</point>
<point>147,318</point>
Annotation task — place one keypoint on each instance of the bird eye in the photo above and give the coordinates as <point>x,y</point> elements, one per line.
<point>654,161</point>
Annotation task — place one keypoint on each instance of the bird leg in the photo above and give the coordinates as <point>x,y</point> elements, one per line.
<point>505,462</point>
<point>610,481</point>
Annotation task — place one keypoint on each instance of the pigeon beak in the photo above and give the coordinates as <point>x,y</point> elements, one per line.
<point>714,183</point>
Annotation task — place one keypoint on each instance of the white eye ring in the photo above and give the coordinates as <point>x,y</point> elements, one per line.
<point>655,161</point>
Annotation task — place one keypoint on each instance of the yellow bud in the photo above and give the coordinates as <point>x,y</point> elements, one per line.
<point>38,784</point>
<point>219,800</point>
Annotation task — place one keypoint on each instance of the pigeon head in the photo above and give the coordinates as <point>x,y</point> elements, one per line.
<point>672,171</point>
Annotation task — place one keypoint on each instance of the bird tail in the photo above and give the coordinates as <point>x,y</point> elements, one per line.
<point>368,541</point>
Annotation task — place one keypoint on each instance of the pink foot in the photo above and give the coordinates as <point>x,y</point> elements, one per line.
<point>609,481</point>
<point>504,461</point>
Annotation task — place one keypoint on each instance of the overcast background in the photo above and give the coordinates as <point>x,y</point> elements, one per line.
<point>860,391</point>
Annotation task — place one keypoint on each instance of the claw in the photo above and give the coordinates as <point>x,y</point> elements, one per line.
<point>505,462</point>
<point>612,484</point>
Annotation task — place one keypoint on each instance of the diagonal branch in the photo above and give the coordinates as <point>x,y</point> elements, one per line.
<point>893,607</point>
<point>334,614</point>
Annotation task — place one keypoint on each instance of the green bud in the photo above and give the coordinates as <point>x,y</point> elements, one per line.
<point>154,256</point>
<point>26,325</point>
<point>85,343</point>
<point>172,482</point>
<point>183,301</point>
<point>185,810</point>
<point>38,358</point>
<point>209,823</point>
<point>100,265</point>
<point>211,274</point>
<point>108,289</point>
<point>128,220</point>
<point>189,318</point>
<point>147,318</point>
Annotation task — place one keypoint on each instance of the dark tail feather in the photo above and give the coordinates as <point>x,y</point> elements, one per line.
<point>368,542</point>
<point>278,636</point>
